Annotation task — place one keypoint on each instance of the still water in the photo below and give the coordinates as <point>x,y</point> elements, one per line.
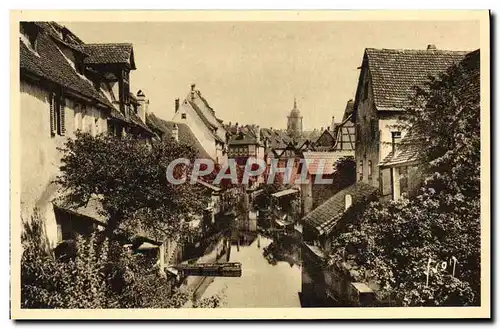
<point>261,284</point>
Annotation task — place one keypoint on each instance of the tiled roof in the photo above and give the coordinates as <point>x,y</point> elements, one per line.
<point>311,134</point>
<point>407,152</point>
<point>243,135</point>
<point>164,129</point>
<point>206,114</point>
<point>396,72</point>
<point>50,63</point>
<point>109,53</point>
<point>328,162</point>
<point>324,218</point>
<point>133,118</point>
<point>93,209</point>
<point>325,141</point>
<point>277,139</point>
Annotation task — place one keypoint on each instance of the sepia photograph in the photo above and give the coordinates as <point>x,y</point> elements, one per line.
<point>223,165</point>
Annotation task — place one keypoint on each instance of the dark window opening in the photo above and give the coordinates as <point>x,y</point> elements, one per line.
<point>183,115</point>
<point>57,115</point>
<point>360,170</point>
<point>30,30</point>
<point>396,139</point>
<point>370,170</point>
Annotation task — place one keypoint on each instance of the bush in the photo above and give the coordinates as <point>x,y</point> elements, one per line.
<point>101,275</point>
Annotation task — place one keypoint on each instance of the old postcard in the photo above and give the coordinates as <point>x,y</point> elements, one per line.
<point>250,165</point>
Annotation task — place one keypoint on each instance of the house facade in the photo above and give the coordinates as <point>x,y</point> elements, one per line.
<point>323,284</point>
<point>195,112</point>
<point>63,91</point>
<point>403,162</point>
<point>244,143</point>
<point>386,83</point>
<point>321,157</point>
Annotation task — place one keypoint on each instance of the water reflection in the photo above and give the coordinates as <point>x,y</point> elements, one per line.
<point>263,283</point>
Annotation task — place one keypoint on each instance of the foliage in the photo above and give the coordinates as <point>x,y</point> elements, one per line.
<point>394,242</point>
<point>129,177</point>
<point>344,176</point>
<point>100,276</point>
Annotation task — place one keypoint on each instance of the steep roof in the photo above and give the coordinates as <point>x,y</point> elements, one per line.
<point>206,113</point>
<point>110,53</point>
<point>396,72</point>
<point>409,149</point>
<point>164,129</point>
<point>277,139</point>
<point>324,218</point>
<point>407,152</point>
<point>321,163</point>
<point>349,109</point>
<point>51,64</point>
<point>243,135</point>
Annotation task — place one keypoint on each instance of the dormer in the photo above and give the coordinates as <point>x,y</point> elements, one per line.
<point>30,31</point>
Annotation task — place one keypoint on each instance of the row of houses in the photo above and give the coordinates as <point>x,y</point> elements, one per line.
<point>386,155</point>
<point>66,86</point>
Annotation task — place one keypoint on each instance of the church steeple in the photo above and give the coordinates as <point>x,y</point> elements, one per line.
<point>294,125</point>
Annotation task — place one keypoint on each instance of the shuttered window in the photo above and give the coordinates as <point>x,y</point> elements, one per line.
<point>57,115</point>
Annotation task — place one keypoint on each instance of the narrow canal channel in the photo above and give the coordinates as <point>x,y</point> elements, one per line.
<point>261,284</point>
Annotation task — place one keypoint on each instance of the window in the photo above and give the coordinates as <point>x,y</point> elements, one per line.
<point>396,139</point>
<point>31,31</point>
<point>57,112</point>
<point>183,116</point>
<point>370,170</point>
<point>79,65</point>
<point>360,170</point>
<point>348,201</point>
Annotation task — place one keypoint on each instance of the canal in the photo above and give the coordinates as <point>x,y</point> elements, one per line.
<point>261,284</point>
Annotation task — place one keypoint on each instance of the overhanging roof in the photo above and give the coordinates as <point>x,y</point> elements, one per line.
<point>284,193</point>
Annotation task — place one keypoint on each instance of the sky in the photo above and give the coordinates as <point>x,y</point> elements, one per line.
<point>250,72</point>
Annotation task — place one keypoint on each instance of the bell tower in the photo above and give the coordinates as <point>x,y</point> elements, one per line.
<point>294,126</point>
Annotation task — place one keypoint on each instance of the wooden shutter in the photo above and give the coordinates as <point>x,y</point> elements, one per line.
<point>52,114</point>
<point>62,110</point>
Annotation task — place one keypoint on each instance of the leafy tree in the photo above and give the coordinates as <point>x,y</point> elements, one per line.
<point>393,243</point>
<point>344,175</point>
<point>129,177</point>
<point>97,277</point>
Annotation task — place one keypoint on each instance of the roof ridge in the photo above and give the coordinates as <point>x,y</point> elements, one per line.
<point>108,43</point>
<point>413,50</point>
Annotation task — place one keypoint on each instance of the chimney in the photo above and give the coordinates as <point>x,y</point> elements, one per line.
<point>176,105</point>
<point>431,47</point>
<point>193,86</point>
<point>175,132</point>
<point>142,109</point>
<point>257,133</point>
<point>333,123</point>
<point>322,129</point>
